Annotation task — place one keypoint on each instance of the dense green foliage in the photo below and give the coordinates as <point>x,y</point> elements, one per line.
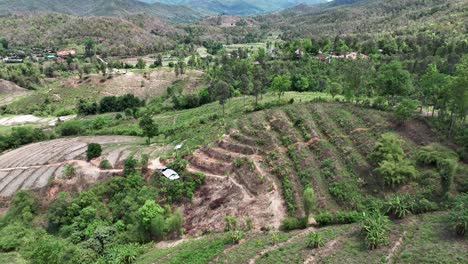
<point>94,150</point>
<point>21,136</point>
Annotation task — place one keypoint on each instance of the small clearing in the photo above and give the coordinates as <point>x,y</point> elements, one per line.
<point>9,91</point>
<point>31,119</point>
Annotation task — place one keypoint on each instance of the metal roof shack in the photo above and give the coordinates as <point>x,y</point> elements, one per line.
<point>170,174</point>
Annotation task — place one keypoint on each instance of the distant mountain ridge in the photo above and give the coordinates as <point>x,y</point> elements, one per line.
<point>237,7</point>
<point>100,8</point>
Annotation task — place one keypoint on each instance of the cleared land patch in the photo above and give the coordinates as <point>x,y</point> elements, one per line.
<point>33,166</point>
<point>9,91</point>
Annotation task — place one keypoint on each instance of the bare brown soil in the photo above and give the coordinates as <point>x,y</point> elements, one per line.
<point>244,190</point>
<point>142,84</point>
<point>9,91</point>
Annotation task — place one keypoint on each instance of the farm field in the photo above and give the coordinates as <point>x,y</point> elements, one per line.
<point>35,165</point>
<point>16,120</point>
<point>272,155</point>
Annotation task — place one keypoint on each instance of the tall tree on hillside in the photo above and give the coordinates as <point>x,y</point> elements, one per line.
<point>149,128</point>
<point>259,82</point>
<point>281,84</point>
<point>432,86</point>
<point>89,44</point>
<point>459,95</point>
<point>393,81</point>
<point>223,92</point>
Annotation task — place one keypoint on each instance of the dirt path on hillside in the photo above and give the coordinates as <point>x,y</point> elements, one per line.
<point>276,199</point>
<point>395,247</point>
<point>88,168</point>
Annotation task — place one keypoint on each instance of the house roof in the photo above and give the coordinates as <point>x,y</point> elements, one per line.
<point>63,53</point>
<point>170,174</point>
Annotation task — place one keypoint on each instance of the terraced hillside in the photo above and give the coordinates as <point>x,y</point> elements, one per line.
<point>261,167</point>
<point>33,166</point>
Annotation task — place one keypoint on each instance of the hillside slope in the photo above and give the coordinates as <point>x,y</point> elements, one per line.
<point>130,35</point>
<point>237,7</point>
<point>326,146</point>
<point>368,16</point>
<point>99,8</point>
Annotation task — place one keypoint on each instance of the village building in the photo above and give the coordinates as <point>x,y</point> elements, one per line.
<point>170,174</point>
<point>65,53</point>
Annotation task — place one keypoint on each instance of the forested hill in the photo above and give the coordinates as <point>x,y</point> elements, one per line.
<point>99,8</point>
<point>237,7</point>
<point>370,16</point>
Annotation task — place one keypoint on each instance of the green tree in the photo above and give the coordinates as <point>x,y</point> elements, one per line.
<point>89,44</point>
<point>223,92</point>
<point>393,80</point>
<point>432,86</point>
<point>149,128</point>
<point>281,84</point>
<point>158,62</point>
<point>335,88</point>
<point>141,64</point>
<point>94,150</point>
<point>405,110</point>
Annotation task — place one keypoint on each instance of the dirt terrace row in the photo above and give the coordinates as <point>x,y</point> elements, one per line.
<point>34,166</point>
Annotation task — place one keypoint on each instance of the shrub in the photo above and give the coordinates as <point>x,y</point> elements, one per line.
<point>235,236</point>
<point>230,223</point>
<point>130,166</point>
<point>445,160</point>
<point>405,110</point>
<point>340,217</point>
<point>94,150</point>
<point>291,223</point>
<point>123,254</point>
<point>71,128</point>
<point>314,240</point>
<point>68,171</point>
<point>344,217</point>
<point>105,165</point>
<point>458,217</point>
<point>44,250</point>
<point>175,223</point>
<point>447,170</point>
<point>324,218</point>
<point>423,205</point>
<point>374,228</point>
<point>387,148</point>
<point>238,162</point>
<point>13,236</point>
<point>395,173</point>
<point>309,200</point>
<point>399,206</point>
<point>22,208</point>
